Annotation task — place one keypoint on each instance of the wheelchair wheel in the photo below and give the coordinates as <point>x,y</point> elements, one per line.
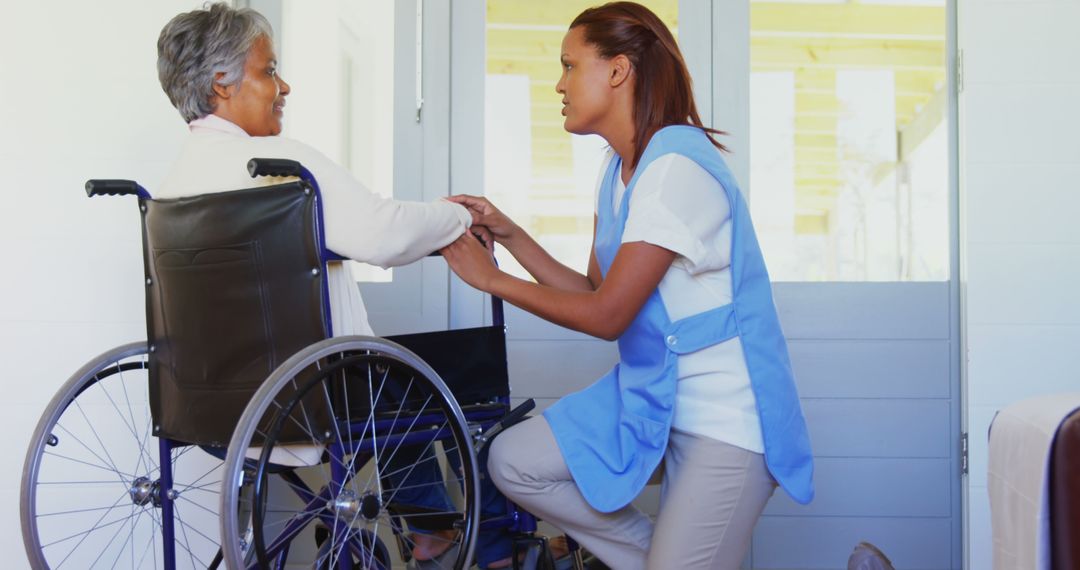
<point>98,487</point>
<point>372,545</point>
<point>371,448</point>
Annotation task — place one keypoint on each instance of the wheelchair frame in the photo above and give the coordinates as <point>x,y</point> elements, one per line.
<point>243,543</point>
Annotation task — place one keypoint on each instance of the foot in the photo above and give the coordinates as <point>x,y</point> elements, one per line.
<point>868,557</point>
<point>428,546</point>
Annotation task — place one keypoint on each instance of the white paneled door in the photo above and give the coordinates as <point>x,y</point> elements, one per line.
<point>844,123</point>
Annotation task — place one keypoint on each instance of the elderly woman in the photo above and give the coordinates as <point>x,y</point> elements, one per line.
<point>218,67</point>
<point>219,70</point>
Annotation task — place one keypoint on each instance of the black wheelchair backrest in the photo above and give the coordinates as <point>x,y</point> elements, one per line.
<point>236,284</point>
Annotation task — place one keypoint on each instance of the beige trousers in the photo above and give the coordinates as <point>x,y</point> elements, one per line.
<point>711,497</point>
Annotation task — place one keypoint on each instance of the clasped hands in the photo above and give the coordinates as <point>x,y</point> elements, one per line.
<point>470,256</point>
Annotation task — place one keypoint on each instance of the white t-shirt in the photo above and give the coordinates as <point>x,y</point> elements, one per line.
<point>360,224</point>
<point>679,206</point>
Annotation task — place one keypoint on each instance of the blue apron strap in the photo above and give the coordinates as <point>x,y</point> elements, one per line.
<point>704,329</point>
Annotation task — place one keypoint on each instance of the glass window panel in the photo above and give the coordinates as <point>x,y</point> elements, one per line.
<point>849,146</point>
<point>540,175</point>
<point>338,56</point>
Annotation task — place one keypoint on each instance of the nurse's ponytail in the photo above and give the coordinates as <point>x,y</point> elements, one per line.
<point>662,88</point>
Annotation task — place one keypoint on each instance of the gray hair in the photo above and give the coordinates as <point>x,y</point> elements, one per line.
<point>195,46</point>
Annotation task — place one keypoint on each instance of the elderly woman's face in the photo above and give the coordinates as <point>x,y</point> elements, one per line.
<point>256,104</point>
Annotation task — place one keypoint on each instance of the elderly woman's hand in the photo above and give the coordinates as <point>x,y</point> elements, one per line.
<point>472,262</point>
<point>483,234</point>
<point>485,214</point>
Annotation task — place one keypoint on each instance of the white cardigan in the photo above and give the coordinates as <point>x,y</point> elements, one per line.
<point>360,224</point>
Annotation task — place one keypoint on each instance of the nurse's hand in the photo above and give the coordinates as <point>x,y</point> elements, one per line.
<point>472,262</point>
<point>484,235</point>
<point>485,214</point>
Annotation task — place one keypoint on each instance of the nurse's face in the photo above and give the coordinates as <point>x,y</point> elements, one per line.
<point>257,103</point>
<point>584,85</point>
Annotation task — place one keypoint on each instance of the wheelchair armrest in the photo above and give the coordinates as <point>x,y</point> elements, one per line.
<point>497,315</point>
<point>516,415</point>
<point>115,188</point>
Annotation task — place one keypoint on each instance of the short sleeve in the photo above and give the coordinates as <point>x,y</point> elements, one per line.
<point>676,204</point>
<point>600,178</point>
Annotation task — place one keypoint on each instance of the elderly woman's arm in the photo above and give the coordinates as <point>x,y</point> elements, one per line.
<point>367,227</point>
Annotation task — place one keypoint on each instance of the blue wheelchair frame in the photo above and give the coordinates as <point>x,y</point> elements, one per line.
<point>485,424</point>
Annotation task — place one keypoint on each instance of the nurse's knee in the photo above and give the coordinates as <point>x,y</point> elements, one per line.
<point>505,459</point>
<point>499,470</point>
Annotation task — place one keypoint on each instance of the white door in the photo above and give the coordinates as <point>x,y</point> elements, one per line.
<point>843,116</point>
<point>362,96</point>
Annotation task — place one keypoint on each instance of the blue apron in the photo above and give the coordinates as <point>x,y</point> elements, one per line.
<point>613,434</point>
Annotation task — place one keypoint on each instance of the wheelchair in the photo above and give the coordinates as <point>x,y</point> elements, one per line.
<point>243,433</point>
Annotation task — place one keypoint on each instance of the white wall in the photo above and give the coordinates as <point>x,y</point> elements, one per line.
<point>1020,167</point>
<point>79,99</point>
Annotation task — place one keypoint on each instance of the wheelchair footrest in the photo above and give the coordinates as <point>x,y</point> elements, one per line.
<point>424,518</point>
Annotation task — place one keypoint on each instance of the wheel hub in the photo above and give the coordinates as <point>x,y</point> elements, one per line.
<point>348,506</point>
<point>143,491</point>
<point>370,505</point>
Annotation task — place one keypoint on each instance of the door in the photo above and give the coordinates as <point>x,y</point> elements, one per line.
<point>843,120</point>
<point>369,81</point>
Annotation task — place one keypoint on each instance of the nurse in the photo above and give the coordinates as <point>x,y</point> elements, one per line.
<point>704,381</point>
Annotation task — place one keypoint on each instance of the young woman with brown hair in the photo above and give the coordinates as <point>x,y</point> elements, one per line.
<point>704,380</point>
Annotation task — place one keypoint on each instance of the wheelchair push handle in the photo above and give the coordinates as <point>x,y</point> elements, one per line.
<point>102,187</point>
<point>274,167</point>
